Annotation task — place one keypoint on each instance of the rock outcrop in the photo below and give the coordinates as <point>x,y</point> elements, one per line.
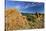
<point>15,20</point>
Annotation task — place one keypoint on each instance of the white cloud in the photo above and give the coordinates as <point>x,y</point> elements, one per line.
<point>28,5</point>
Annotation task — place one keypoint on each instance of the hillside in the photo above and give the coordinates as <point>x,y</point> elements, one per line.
<point>15,20</point>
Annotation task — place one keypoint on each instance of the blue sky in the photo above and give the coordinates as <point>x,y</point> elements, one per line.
<point>26,7</point>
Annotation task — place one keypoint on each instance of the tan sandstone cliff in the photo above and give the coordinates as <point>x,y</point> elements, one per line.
<point>15,20</point>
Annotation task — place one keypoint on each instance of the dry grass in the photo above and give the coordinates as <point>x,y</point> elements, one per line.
<point>15,20</point>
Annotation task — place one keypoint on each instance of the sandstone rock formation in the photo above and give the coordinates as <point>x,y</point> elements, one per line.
<point>15,20</point>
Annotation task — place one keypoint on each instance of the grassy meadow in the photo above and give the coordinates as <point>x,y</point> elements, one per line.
<point>35,20</point>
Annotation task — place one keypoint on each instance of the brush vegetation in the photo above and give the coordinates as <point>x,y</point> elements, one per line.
<point>16,20</point>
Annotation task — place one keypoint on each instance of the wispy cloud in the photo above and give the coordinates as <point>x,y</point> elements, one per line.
<point>23,6</point>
